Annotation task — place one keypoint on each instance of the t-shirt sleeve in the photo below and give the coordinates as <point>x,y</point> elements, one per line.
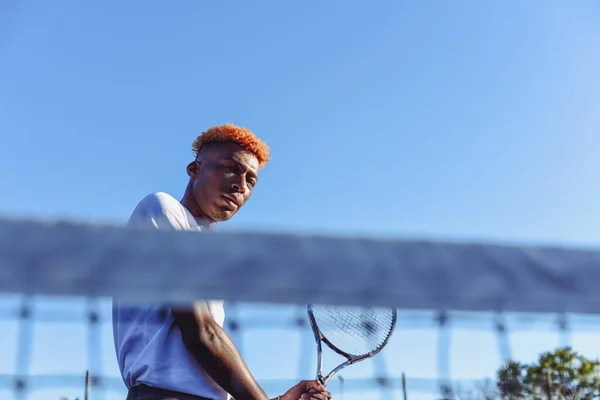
<point>155,212</point>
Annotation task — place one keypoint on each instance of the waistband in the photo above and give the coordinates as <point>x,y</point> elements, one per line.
<point>144,392</point>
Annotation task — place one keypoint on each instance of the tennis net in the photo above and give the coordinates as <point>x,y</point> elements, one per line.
<point>464,309</point>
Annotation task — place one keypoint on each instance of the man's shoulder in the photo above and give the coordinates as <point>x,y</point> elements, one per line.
<point>160,210</point>
<point>159,201</point>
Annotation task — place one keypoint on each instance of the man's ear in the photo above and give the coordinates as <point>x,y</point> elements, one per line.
<point>193,169</point>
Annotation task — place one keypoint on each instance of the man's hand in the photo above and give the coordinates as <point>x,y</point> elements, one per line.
<point>307,390</point>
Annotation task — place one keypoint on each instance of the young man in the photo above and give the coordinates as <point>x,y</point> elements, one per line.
<point>184,354</point>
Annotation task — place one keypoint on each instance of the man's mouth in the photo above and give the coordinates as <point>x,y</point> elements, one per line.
<point>231,200</point>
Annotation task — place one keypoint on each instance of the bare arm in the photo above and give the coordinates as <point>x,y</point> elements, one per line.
<point>216,353</point>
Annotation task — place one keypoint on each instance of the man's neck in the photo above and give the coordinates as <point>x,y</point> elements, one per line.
<point>191,205</point>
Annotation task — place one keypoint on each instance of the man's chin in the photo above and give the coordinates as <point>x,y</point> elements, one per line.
<point>224,215</point>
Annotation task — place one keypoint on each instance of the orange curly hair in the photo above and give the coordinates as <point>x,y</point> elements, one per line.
<point>233,133</point>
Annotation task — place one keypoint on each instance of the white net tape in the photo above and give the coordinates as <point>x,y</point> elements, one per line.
<point>70,259</point>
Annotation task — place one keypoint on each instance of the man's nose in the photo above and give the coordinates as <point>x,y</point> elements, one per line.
<point>239,187</point>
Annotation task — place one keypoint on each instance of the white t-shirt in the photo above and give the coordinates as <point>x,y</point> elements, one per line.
<point>148,343</point>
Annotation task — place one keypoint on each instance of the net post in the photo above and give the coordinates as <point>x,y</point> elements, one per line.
<point>87,385</point>
<point>549,382</point>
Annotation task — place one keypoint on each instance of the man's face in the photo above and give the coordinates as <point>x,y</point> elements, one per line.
<point>222,179</point>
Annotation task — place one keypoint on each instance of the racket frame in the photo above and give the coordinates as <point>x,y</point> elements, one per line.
<point>350,359</point>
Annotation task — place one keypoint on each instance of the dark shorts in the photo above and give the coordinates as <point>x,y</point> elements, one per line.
<point>143,392</point>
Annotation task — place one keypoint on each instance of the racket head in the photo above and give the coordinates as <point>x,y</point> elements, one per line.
<point>352,332</point>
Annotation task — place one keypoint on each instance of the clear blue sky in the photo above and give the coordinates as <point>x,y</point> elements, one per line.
<point>463,119</point>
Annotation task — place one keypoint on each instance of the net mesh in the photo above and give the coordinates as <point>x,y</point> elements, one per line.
<point>453,332</point>
<point>49,343</point>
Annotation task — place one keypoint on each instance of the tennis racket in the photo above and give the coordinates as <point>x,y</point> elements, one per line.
<point>356,333</point>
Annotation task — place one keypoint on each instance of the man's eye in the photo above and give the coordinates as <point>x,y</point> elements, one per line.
<point>251,183</point>
<point>230,168</point>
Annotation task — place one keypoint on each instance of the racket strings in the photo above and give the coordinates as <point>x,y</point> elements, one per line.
<point>354,330</point>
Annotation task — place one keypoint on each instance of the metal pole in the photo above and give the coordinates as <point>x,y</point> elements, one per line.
<point>341,387</point>
<point>404,395</point>
<point>549,382</point>
<point>87,385</point>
